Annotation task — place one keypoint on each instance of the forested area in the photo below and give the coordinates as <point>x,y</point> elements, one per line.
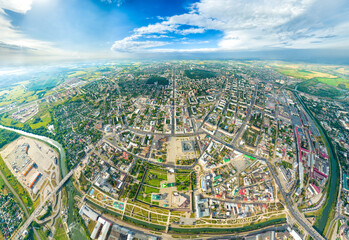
<point>7,137</point>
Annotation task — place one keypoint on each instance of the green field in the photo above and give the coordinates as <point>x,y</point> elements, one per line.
<point>2,186</point>
<point>251,227</point>
<point>145,193</point>
<point>303,74</point>
<point>17,94</point>
<point>329,75</point>
<point>7,121</point>
<point>335,82</point>
<point>183,181</point>
<point>41,121</point>
<point>317,88</point>
<point>7,137</point>
<point>76,74</point>
<point>60,231</point>
<point>155,177</point>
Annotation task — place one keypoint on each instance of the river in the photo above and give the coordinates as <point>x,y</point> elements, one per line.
<point>320,224</point>
<point>77,231</point>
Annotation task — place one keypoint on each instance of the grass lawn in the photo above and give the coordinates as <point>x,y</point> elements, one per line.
<point>182,177</point>
<point>150,190</point>
<point>2,185</point>
<point>183,181</point>
<point>154,182</point>
<point>157,177</point>
<point>145,194</point>
<point>45,119</point>
<point>42,234</point>
<point>60,231</point>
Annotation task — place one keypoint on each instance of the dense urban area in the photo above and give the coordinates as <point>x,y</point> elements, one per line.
<point>176,149</point>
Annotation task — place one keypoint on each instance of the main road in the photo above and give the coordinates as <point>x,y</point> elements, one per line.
<point>41,205</point>
<point>67,176</point>
<point>248,116</point>
<point>173,119</point>
<point>294,211</point>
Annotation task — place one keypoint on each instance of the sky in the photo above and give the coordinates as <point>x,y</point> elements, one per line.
<point>120,29</point>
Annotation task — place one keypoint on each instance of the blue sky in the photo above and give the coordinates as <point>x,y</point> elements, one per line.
<point>129,28</point>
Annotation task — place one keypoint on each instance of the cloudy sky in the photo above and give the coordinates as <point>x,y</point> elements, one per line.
<point>128,28</point>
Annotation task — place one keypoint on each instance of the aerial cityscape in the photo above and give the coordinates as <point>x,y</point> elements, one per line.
<point>177,124</point>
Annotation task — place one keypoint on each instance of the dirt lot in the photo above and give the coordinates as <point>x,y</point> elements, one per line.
<point>26,158</point>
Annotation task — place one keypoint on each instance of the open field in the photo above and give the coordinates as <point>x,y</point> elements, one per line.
<point>76,74</point>
<point>41,121</point>
<point>319,80</point>
<point>336,76</point>
<point>304,74</point>
<point>335,82</point>
<point>155,177</point>
<point>314,87</point>
<point>17,94</point>
<point>6,120</point>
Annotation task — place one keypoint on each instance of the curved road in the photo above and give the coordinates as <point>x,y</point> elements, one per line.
<point>294,212</point>
<point>45,139</point>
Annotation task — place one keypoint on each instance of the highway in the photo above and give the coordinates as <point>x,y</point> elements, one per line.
<point>41,205</point>
<point>295,212</point>
<point>292,210</point>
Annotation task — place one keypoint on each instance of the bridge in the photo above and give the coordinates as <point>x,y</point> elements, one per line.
<point>41,206</point>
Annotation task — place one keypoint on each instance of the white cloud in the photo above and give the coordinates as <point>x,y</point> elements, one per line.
<point>12,39</point>
<point>130,44</point>
<point>259,24</point>
<point>156,28</point>
<point>191,31</point>
<point>192,50</point>
<point>19,6</point>
<point>158,36</point>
